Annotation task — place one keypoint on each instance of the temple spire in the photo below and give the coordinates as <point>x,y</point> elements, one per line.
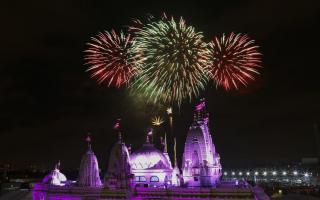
<point>57,165</point>
<point>88,140</point>
<point>117,127</point>
<point>165,150</point>
<point>200,113</point>
<point>120,136</point>
<point>149,134</point>
<point>175,153</point>
<point>89,169</point>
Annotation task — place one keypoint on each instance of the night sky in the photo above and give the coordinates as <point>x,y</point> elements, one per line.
<point>48,102</point>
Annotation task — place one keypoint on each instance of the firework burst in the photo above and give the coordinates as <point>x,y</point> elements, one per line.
<point>173,61</point>
<point>234,60</point>
<point>157,121</point>
<point>110,59</point>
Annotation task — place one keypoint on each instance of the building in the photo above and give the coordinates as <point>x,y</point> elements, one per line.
<point>151,167</point>
<point>148,173</point>
<point>201,163</point>
<point>55,177</point>
<point>119,169</point>
<point>89,169</point>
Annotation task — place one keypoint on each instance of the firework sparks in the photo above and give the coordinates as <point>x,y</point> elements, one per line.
<point>138,24</point>
<point>234,60</point>
<point>172,61</point>
<point>157,121</point>
<point>110,59</point>
<point>170,114</point>
<point>169,110</point>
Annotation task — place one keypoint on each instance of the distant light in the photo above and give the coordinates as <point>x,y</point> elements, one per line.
<point>256,173</point>
<point>248,173</point>
<point>295,173</point>
<point>233,173</point>
<point>306,175</point>
<point>264,173</point>
<point>225,173</point>
<point>274,173</point>
<point>280,191</point>
<point>240,173</point>
<point>284,173</point>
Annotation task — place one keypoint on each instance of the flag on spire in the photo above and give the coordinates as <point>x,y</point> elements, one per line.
<point>150,132</point>
<point>88,138</point>
<point>200,114</point>
<point>116,126</point>
<point>201,105</point>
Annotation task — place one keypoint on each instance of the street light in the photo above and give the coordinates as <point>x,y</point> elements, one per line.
<point>284,173</point>
<point>256,173</point>
<point>264,173</point>
<point>274,173</point>
<point>295,173</point>
<point>248,173</point>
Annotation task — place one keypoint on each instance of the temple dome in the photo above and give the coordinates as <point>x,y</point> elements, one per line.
<point>55,177</point>
<point>89,170</point>
<point>149,157</point>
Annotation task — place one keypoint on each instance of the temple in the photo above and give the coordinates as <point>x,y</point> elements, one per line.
<point>89,168</point>
<point>201,163</point>
<point>119,169</point>
<point>148,172</point>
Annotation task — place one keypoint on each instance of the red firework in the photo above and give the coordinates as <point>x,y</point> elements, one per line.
<point>109,58</point>
<point>138,24</point>
<point>234,60</point>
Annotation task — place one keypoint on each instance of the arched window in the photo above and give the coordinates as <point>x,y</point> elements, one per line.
<point>154,179</point>
<point>143,179</point>
<point>140,179</point>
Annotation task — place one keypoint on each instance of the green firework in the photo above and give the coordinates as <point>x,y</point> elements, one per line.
<point>172,64</point>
